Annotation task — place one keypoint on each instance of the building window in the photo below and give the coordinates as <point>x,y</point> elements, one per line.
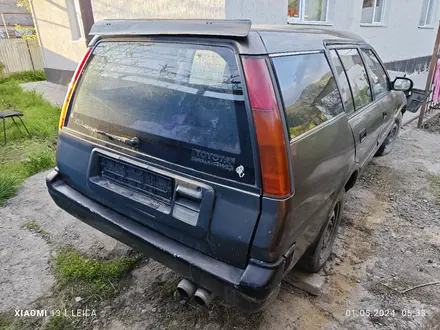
<point>373,11</point>
<point>427,15</point>
<point>307,10</point>
<point>75,20</point>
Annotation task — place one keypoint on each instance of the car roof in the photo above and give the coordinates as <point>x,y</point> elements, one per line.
<point>293,38</point>
<point>249,39</point>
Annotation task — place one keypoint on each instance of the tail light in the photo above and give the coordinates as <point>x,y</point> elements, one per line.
<point>269,127</point>
<point>72,87</point>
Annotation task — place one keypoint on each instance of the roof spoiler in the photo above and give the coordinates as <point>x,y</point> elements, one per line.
<point>216,27</point>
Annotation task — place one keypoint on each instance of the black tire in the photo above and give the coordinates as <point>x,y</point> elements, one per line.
<point>388,144</point>
<point>317,255</point>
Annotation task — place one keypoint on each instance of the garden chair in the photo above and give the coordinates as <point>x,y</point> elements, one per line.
<point>11,114</point>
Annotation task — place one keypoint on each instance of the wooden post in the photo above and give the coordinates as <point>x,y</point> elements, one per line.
<point>4,24</point>
<point>430,76</point>
<point>30,54</point>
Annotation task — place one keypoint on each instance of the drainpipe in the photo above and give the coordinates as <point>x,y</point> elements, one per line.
<point>85,7</point>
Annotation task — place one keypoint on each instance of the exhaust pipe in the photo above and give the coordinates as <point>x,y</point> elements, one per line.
<point>203,297</point>
<point>186,288</point>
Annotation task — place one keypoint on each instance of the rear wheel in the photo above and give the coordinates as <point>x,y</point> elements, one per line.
<point>388,145</point>
<point>317,255</point>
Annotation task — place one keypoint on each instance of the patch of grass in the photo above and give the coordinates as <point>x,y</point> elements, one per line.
<point>9,183</point>
<point>23,156</point>
<point>6,321</point>
<point>35,227</point>
<point>434,183</point>
<point>38,162</point>
<point>24,76</point>
<point>88,277</point>
<point>31,225</point>
<point>59,322</point>
<point>9,322</point>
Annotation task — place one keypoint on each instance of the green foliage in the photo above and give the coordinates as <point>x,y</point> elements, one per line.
<point>27,32</point>
<point>88,276</point>
<point>2,69</point>
<point>39,162</point>
<point>24,76</point>
<point>58,322</point>
<point>23,156</point>
<point>9,183</point>
<point>25,4</point>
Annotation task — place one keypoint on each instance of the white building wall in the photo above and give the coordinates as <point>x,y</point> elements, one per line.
<point>52,24</point>
<point>61,53</point>
<point>258,11</point>
<point>400,37</point>
<point>158,9</point>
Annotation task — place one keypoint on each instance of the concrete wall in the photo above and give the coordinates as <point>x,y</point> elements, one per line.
<point>400,37</point>
<point>60,53</point>
<point>158,9</point>
<point>258,11</point>
<point>398,40</point>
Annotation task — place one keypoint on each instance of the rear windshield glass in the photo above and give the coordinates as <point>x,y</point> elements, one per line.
<point>173,97</point>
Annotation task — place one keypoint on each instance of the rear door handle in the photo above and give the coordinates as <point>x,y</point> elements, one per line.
<point>362,135</point>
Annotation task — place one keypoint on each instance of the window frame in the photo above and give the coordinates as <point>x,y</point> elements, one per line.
<point>357,47</point>
<point>383,68</point>
<point>301,12</point>
<point>335,73</point>
<point>433,3</point>
<point>382,14</point>
<point>75,20</point>
<point>280,98</point>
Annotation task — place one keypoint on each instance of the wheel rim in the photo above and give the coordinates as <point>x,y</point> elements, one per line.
<point>329,234</point>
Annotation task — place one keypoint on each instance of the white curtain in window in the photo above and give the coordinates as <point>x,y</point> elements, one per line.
<point>308,10</point>
<point>428,7</point>
<point>315,10</point>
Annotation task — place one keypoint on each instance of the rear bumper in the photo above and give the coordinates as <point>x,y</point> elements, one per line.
<point>250,289</point>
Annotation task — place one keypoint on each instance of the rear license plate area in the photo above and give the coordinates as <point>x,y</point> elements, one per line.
<point>136,178</point>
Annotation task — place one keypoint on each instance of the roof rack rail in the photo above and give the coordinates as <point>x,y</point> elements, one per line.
<point>216,27</point>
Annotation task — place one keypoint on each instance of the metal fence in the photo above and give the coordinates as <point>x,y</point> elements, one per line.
<point>20,55</point>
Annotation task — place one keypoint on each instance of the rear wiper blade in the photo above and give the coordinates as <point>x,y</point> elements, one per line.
<point>133,142</point>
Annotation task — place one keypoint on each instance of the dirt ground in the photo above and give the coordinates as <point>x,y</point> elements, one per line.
<point>389,242</point>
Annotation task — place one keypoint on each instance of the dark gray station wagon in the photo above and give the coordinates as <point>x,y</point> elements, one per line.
<point>220,150</point>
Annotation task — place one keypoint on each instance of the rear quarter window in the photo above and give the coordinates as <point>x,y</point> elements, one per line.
<point>309,91</point>
<point>184,102</point>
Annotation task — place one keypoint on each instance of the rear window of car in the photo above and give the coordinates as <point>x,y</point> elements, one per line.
<point>184,102</point>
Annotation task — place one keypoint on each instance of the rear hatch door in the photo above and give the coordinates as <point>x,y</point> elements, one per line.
<point>159,130</point>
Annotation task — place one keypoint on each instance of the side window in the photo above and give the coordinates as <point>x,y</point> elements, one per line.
<point>378,77</point>
<point>357,76</point>
<point>343,82</point>
<point>309,91</point>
